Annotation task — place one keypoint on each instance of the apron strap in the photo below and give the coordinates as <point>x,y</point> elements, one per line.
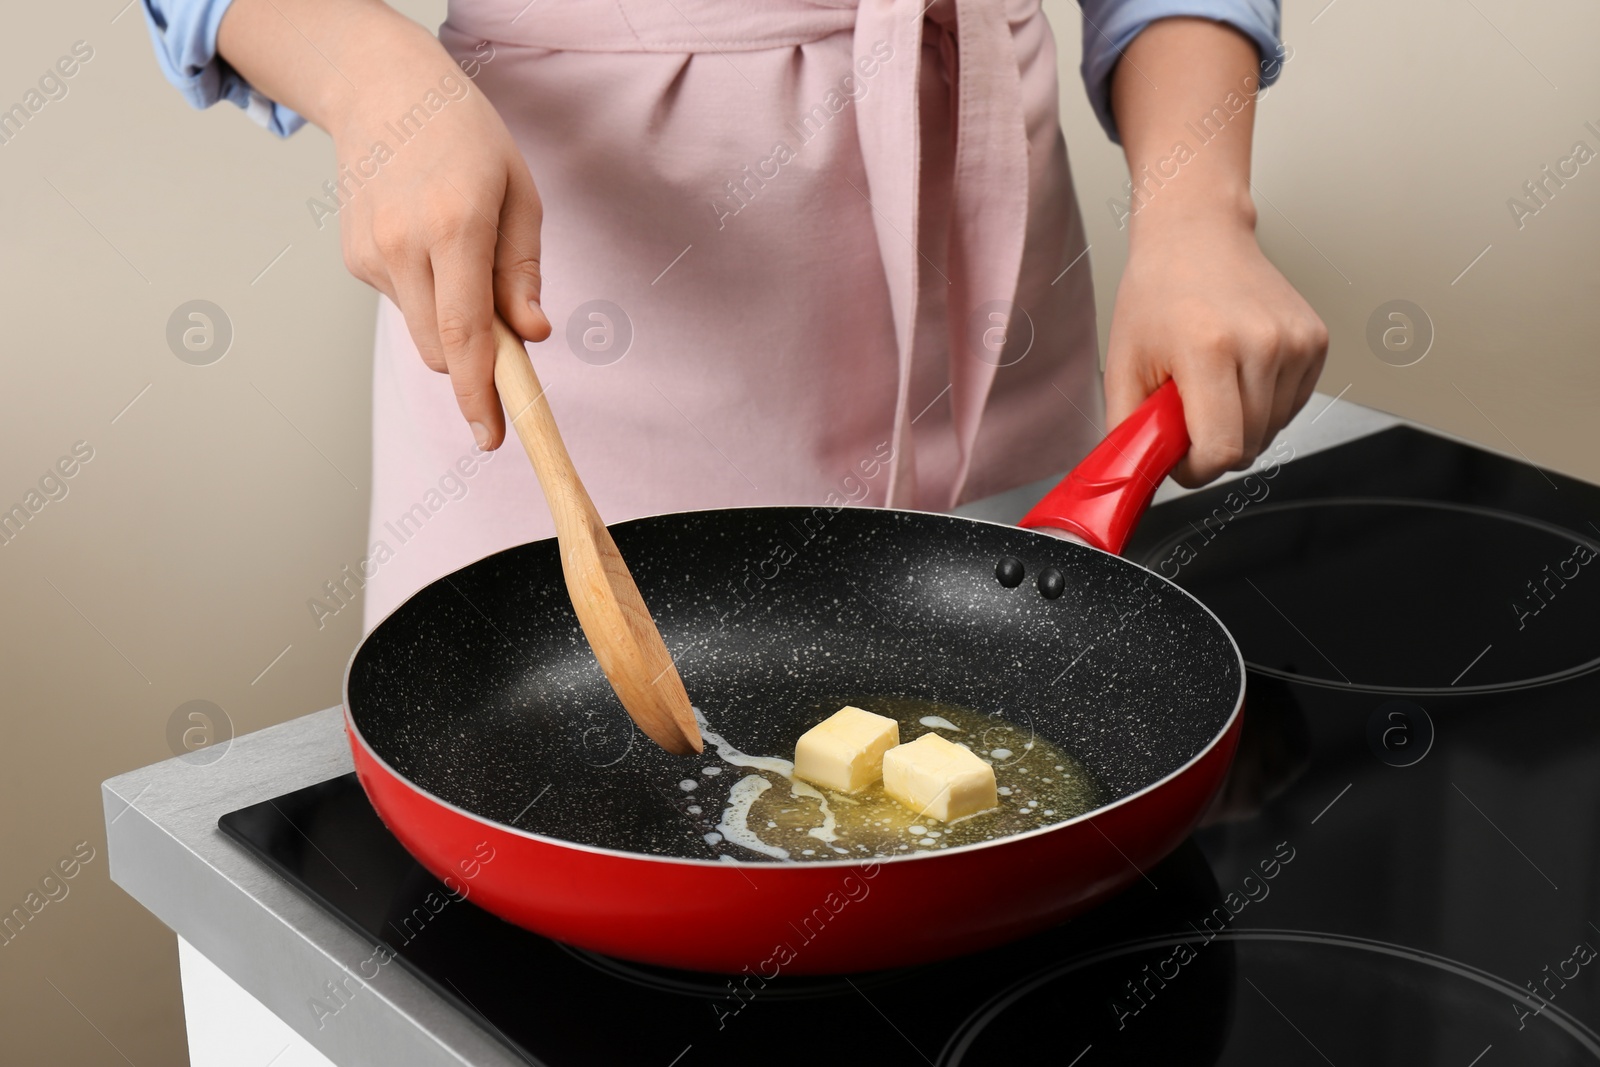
<point>989,202</point>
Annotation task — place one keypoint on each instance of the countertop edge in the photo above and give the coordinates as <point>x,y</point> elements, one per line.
<point>166,852</point>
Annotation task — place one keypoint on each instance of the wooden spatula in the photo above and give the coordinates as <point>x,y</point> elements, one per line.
<point>613,616</point>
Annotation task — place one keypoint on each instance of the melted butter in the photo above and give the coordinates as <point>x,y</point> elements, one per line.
<point>735,824</point>
<point>732,755</point>
<point>1039,785</point>
<point>827,831</point>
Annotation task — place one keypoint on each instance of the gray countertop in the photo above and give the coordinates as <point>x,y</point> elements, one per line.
<point>166,851</point>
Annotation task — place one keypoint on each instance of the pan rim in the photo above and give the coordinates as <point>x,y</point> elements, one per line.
<point>355,733</point>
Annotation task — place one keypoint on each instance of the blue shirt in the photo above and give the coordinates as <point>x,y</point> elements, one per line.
<point>185,35</point>
<point>1109,26</point>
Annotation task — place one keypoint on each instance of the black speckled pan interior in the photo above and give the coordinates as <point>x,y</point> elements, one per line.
<point>482,690</point>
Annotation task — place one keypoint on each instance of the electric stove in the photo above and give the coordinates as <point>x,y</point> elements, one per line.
<point>1401,869</point>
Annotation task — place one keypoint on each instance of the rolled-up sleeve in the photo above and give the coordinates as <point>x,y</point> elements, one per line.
<point>1109,26</point>
<point>185,36</point>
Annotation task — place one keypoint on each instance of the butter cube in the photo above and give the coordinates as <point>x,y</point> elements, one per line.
<point>939,779</point>
<point>845,750</point>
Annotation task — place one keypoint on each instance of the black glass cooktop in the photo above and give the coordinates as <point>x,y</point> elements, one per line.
<point>1402,869</point>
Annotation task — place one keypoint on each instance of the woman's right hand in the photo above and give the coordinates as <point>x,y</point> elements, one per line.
<point>444,222</point>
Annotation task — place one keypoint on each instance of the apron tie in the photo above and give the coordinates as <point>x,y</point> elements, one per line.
<point>989,203</point>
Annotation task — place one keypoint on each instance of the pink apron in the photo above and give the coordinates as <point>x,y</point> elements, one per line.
<point>782,244</point>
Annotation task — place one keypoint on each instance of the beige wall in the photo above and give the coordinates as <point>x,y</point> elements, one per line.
<point>177,566</point>
<point>184,551</point>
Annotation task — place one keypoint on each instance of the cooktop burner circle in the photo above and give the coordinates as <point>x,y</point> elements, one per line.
<point>1268,996</point>
<point>1392,595</point>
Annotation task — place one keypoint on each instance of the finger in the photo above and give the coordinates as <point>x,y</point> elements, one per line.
<point>1307,386</point>
<point>1297,379</point>
<point>1126,385</point>
<point>1258,378</point>
<point>1285,400</point>
<point>1295,391</point>
<point>1313,367</point>
<point>413,286</point>
<point>463,267</point>
<point>518,282</point>
<point>1214,413</point>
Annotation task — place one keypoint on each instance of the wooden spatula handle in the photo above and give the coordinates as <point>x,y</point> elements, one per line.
<point>529,412</point>
<point>605,599</point>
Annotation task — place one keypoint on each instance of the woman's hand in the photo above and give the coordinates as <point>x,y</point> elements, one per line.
<point>437,210</point>
<point>1201,304</point>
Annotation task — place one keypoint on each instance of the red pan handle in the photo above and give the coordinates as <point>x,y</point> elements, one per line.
<point>1103,498</point>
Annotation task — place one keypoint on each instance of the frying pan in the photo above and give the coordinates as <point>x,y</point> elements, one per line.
<point>492,746</point>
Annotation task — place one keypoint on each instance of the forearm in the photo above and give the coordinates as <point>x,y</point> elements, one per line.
<point>1198,302</point>
<point>1184,98</point>
<point>319,56</point>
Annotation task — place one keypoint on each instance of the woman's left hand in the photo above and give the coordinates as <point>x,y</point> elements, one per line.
<point>1201,304</point>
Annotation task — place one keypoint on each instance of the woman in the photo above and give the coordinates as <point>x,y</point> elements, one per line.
<point>797,251</point>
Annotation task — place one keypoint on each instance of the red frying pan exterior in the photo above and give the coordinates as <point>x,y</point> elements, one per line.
<point>763,919</point>
<point>797,918</point>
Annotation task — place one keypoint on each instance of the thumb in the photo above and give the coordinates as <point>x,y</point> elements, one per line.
<point>517,277</point>
<point>1128,381</point>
